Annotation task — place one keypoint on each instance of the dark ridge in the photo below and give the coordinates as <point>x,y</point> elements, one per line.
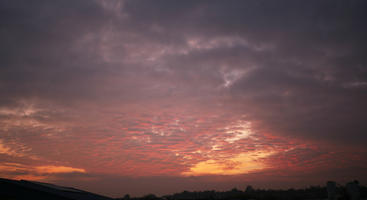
<point>19,190</point>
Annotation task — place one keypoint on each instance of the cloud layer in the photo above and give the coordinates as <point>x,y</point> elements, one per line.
<point>137,89</point>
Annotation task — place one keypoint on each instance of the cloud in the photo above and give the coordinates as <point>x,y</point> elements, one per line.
<point>6,150</point>
<point>46,172</point>
<point>15,149</point>
<point>57,169</point>
<point>160,88</point>
<point>242,163</point>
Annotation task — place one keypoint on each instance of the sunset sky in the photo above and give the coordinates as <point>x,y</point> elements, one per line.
<point>161,96</point>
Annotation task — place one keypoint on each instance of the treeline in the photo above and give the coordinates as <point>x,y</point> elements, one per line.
<point>313,192</point>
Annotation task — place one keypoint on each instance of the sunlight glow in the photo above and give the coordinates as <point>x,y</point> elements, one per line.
<point>240,164</point>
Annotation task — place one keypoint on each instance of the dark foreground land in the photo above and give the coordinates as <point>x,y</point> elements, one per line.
<point>19,190</point>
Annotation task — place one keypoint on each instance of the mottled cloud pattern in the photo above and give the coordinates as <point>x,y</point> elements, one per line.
<point>224,93</point>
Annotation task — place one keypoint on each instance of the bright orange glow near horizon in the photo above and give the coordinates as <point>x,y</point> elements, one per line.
<point>242,163</point>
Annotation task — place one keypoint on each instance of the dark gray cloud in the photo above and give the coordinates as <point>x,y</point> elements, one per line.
<point>40,54</point>
<point>309,76</point>
<point>304,62</point>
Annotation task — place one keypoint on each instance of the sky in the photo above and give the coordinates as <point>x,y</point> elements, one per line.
<point>138,97</point>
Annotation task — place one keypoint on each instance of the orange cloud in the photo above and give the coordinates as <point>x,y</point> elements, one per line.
<point>50,169</point>
<point>22,171</point>
<point>4,149</point>
<point>240,164</point>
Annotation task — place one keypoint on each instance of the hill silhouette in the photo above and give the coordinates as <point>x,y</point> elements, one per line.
<point>19,190</point>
